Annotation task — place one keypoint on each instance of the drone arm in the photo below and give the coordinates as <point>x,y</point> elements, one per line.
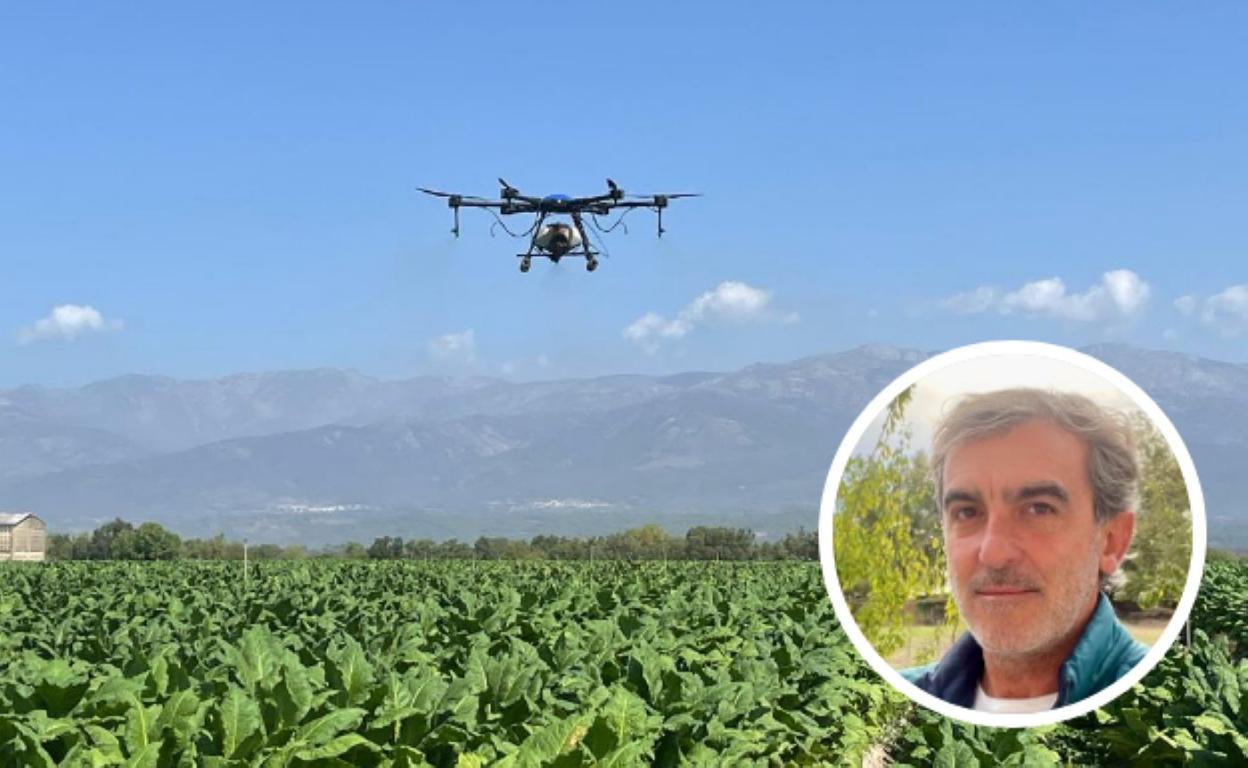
<point>608,198</point>
<point>629,204</point>
<point>456,202</point>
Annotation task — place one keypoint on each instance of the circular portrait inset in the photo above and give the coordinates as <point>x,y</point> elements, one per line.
<point>1012,533</point>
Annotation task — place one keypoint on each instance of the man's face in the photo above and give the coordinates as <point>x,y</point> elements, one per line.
<point>1024,548</point>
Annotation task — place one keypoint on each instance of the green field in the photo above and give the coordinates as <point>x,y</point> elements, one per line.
<point>403,663</point>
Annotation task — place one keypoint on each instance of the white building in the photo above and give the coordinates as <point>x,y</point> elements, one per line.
<point>23,537</point>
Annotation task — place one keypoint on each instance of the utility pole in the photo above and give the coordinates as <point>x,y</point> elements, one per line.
<point>245,574</point>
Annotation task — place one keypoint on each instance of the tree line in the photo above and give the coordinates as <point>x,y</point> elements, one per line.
<point>122,540</point>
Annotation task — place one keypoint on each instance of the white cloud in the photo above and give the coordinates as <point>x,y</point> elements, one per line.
<point>729,302</point>
<point>1187,305</point>
<point>646,329</point>
<point>1227,311</point>
<point>981,299</point>
<point>1120,295</point>
<point>67,321</point>
<point>1126,290</point>
<point>455,347</point>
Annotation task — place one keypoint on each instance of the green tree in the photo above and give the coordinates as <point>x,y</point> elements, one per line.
<point>419,549</point>
<point>501,548</point>
<point>153,542</point>
<point>719,543</point>
<point>205,549</point>
<point>386,548</point>
<point>803,545</point>
<point>113,540</point>
<point>1156,569</point>
<point>886,535</point>
<point>267,552</point>
<point>649,542</point>
<point>60,546</point>
<point>560,547</point>
<point>454,549</point>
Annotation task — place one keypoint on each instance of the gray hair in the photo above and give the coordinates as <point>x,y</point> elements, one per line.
<point>1113,469</point>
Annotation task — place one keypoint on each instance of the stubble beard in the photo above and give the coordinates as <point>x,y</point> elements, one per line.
<point>1029,629</point>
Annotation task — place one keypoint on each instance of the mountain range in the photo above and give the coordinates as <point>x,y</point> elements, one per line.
<point>327,456</point>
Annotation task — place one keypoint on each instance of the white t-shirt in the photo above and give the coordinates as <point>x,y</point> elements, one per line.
<point>986,703</point>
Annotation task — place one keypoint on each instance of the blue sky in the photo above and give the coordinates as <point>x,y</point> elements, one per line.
<point>199,191</point>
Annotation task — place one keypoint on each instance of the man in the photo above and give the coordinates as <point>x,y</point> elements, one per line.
<point>1037,491</point>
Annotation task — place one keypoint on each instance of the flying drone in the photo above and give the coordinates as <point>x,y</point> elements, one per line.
<point>558,239</point>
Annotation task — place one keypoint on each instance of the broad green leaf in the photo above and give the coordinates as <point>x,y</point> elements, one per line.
<point>549,742</point>
<point>141,727</point>
<point>239,716</point>
<point>146,757</point>
<point>325,727</point>
<point>336,747</point>
<point>294,695</point>
<point>956,755</point>
<point>350,672</point>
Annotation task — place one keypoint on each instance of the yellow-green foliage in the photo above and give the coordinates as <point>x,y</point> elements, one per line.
<point>884,556</point>
<point>1161,552</point>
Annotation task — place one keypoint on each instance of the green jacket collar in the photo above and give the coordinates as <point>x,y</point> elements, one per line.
<point>1104,653</point>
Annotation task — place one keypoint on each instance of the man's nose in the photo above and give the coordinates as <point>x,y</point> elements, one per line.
<point>999,546</point>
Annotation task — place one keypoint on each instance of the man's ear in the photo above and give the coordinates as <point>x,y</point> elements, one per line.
<point>1116,539</point>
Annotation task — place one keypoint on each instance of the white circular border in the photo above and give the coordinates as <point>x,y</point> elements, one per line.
<point>1015,348</point>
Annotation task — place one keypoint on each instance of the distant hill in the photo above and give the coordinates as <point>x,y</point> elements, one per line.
<point>326,456</point>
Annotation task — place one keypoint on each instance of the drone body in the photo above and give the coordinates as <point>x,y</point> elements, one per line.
<point>556,239</point>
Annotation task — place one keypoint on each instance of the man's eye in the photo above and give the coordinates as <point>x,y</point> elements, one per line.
<point>1040,508</point>
<point>963,513</point>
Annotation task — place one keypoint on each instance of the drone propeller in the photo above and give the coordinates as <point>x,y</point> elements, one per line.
<point>450,195</point>
<point>508,190</point>
<point>672,196</point>
<point>454,201</point>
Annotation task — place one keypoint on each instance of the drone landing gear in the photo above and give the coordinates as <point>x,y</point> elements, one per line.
<point>590,262</point>
<point>526,259</point>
